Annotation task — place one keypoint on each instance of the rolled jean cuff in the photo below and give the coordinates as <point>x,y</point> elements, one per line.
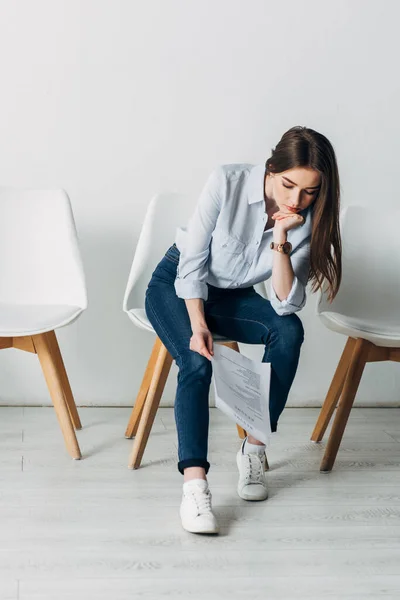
<point>193,462</point>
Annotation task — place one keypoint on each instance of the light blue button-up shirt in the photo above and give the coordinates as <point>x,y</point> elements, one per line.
<point>225,245</point>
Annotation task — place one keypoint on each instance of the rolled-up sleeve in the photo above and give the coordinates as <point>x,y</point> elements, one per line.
<point>297,296</point>
<point>193,241</point>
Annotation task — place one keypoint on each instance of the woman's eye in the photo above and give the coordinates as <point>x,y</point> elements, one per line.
<point>290,187</point>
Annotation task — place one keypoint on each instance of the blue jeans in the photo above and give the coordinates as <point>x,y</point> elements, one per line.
<point>238,314</point>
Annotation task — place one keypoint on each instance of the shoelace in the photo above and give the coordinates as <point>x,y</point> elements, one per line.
<point>202,500</point>
<point>254,469</point>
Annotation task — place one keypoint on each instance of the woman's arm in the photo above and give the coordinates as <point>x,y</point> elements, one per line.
<point>201,340</point>
<point>190,282</point>
<point>289,272</point>
<point>195,308</point>
<point>282,270</point>
<point>194,241</point>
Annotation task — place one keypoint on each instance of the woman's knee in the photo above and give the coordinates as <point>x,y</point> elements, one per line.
<point>194,364</point>
<point>295,330</point>
<point>289,331</point>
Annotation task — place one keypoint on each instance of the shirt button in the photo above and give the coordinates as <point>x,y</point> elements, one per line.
<point>257,243</point>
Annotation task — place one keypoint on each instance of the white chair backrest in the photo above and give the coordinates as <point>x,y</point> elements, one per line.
<point>371,264</point>
<point>40,261</point>
<point>164,214</point>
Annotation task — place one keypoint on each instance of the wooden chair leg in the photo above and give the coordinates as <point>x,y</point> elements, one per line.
<point>334,392</point>
<point>161,371</point>
<point>69,398</point>
<point>144,388</point>
<point>6,342</point>
<point>44,345</point>
<point>241,432</point>
<point>353,378</point>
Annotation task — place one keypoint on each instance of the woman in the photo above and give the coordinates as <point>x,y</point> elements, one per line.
<point>278,220</point>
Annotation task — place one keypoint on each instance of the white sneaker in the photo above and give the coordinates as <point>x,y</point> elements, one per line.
<point>252,484</point>
<point>196,513</point>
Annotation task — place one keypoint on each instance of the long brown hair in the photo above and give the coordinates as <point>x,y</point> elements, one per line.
<point>304,147</point>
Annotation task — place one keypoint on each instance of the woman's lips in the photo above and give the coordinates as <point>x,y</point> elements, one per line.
<point>293,210</point>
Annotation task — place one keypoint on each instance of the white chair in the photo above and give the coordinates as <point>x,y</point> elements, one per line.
<point>164,214</point>
<point>366,310</point>
<point>42,287</point>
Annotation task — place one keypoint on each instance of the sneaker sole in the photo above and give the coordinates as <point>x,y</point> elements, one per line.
<point>200,531</point>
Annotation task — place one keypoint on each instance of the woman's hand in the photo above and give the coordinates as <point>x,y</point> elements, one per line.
<point>202,342</point>
<point>285,221</point>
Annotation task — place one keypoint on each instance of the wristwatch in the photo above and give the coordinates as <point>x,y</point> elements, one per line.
<point>285,248</point>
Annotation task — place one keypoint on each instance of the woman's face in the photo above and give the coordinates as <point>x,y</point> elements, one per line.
<point>293,190</point>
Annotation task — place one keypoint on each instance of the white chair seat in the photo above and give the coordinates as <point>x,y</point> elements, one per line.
<point>25,319</point>
<point>139,317</point>
<point>367,305</point>
<point>385,332</point>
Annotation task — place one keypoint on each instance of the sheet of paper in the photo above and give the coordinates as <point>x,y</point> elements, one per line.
<point>242,391</point>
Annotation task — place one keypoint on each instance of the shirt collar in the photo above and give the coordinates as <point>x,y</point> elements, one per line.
<point>255,184</point>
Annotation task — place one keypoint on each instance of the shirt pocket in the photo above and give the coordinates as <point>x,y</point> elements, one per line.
<point>232,245</point>
<point>227,256</point>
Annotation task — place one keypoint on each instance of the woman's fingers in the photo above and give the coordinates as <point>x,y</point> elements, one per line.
<point>202,344</point>
<point>210,345</point>
<point>207,347</point>
<point>290,220</point>
<point>204,352</point>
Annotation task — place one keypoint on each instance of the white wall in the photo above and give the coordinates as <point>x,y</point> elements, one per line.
<point>115,100</point>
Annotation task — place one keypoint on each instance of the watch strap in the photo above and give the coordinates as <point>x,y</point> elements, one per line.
<point>284,248</point>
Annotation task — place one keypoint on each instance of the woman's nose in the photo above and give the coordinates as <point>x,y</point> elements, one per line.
<point>294,204</point>
<point>295,201</point>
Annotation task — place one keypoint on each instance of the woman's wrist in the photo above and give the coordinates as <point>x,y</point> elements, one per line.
<point>195,308</point>
<point>196,327</point>
<point>280,237</point>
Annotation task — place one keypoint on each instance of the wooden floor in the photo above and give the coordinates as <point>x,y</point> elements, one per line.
<point>92,529</point>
